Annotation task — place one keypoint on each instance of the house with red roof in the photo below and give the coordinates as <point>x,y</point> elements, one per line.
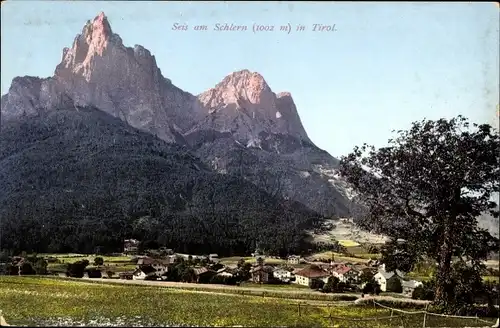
<point>346,274</point>
<point>310,273</point>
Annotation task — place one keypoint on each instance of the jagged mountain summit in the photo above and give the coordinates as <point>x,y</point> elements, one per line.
<point>257,134</point>
<point>239,127</point>
<point>98,70</point>
<point>244,104</point>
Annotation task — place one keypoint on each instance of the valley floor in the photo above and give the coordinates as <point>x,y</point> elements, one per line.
<point>37,301</point>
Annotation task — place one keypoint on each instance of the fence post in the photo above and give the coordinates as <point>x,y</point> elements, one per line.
<point>299,308</point>
<point>425,315</point>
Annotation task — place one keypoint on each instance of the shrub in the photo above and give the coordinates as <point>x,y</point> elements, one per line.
<point>424,292</point>
<point>94,273</point>
<point>331,285</point>
<point>371,287</point>
<point>98,261</point>
<point>77,269</point>
<point>222,280</point>
<point>393,303</point>
<point>317,284</point>
<point>40,266</point>
<point>52,259</point>
<point>394,285</point>
<point>27,269</point>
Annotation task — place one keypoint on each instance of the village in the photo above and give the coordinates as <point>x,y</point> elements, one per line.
<point>321,275</point>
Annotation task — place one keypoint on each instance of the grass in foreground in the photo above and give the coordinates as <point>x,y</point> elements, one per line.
<point>36,301</point>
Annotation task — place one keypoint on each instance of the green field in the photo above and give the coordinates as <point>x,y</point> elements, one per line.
<point>339,257</point>
<point>111,263</point>
<point>249,259</point>
<point>271,286</point>
<point>348,243</point>
<point>491,278</point>
<point>70,258</point>
<point>38,301</point>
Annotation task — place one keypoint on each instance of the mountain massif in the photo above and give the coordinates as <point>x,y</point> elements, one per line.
<point>109,131</point>
<point>77,178</point>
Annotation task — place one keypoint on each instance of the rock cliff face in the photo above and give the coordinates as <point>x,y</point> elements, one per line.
<point>239,127</point>
<point>252,132</point>
<point>244,104</point>
<point>98,70</point>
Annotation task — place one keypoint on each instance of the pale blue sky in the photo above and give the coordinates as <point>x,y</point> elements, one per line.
<point>386,65</point>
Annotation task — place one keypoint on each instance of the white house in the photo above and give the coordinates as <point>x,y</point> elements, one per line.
<point>260,273</point>
<point>225,272</point>
<point>130,246</point>
<point>306,276</point>
<point>293,259</point>
<point>409,286</point>
<point>385,278</point>
<point>147,267</point>
<point>347,274</point>
<point>283,274</point>
<point>143,272</point>
<point>213,258</point>
<point>160,266</point>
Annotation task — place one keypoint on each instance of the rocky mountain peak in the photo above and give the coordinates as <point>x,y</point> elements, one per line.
<point>284,94</point>
<point>253,82</point>
<point>241,88</point>
<point>99,71</point>
<point>244,103</point>
<point>94,41</point>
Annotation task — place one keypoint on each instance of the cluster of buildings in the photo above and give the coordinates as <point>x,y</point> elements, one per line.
<point>351,274</point>
<point>297,270</point>
<point>263,273</point>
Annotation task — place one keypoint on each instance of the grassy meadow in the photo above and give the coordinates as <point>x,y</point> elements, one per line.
<point>271,286</point>
<point>111,263</point>
<point>234,260</point>
<point>348,243</point>
<point>340,257</point>
<point>36,301</point>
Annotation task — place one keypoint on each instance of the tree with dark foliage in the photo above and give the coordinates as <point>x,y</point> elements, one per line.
<point>317,284</point>
<point>424,292</point>
<point>371,287</point>
<point>26,268</point>
<point>77,269</point>
<point>243,272</point>
<point>426,189</point>
<point>331,285</point>
<point>366,276</point>
<point>39,265</point>
<point>98,261</point>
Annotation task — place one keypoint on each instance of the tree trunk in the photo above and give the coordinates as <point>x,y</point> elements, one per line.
<point>444,269</point>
